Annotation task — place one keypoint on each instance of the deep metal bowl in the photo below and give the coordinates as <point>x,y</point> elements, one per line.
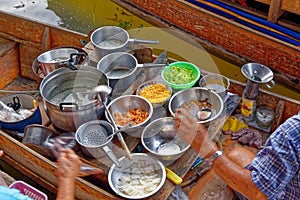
<point>115,173</point>
<point>197,93</point>
<point>161,140</point>
<point>125,103</point>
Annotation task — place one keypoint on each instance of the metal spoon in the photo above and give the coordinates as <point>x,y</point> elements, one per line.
<point>105,90</point>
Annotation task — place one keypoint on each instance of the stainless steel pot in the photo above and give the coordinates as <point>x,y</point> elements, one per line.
<point>65,95</point>
<point>120,65</point>
<point>109,39</point>
<point>59,57</point>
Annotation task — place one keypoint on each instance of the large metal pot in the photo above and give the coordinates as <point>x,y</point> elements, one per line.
<point>65,94</point>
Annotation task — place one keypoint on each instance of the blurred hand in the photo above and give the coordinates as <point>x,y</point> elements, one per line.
<point>193,133</point>
<point>68,164</point>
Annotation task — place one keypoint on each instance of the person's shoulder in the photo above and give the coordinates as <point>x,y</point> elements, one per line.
<point>12,194</point>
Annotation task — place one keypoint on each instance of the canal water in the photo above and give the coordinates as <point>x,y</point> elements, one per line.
<point>87,15</point>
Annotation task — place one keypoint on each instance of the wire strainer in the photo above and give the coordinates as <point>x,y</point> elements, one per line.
<point>94,138</point>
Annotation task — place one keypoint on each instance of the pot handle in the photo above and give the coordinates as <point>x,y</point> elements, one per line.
<point>75,57</point>
<point>68,106</point>
<point>134,40</point>
<point>111,155</point>
<point>270,84</point>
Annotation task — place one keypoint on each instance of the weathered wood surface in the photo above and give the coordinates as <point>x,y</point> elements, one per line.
<point>34,38</point>
<point>9,68</point>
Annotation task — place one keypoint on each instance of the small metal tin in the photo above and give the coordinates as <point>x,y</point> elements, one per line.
<point>264,116</point>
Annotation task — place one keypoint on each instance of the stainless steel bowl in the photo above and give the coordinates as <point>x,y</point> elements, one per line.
<point>197,93</point>
<point>216,82</point>
<point>143,161</point>
<point>160,138</point>
<point>125,103</point>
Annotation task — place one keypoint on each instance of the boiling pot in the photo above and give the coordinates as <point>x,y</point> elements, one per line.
<point>65,95</point>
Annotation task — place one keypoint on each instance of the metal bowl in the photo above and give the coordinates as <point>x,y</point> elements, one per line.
<point>143,161</point>
<point>161,140</point>
<point>125,103</point>
<point>216,82</point>
<point>197,93</point>
<point>154,93</point>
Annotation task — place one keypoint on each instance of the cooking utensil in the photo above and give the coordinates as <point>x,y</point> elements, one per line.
<point>119,65</point>
<point>109,39</point>
<point>59,57</point>
<point>95,137</point>
<point>128,85</point>
<point>65,95</point>
<point>105,90</point>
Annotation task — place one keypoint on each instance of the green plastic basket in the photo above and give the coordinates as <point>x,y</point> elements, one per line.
<point>186,65</point>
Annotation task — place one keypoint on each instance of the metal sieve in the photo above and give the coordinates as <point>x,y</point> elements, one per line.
<point>94,138</point>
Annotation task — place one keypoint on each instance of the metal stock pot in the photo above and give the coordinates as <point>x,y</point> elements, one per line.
<point>65,94</point>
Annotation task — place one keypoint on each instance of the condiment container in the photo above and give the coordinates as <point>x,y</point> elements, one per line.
<point>264,116</point>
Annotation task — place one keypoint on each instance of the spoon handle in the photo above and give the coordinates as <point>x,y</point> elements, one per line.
<point>125,147</point>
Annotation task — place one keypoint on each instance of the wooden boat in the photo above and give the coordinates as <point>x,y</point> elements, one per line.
<point>23,41</point>
<point>235,34</point>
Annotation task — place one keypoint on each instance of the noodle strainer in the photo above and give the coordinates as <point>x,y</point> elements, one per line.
<point>94,138</point>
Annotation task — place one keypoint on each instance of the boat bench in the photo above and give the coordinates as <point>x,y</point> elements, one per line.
<point>9,62</point>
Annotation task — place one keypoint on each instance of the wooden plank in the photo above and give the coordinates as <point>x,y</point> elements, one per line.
<point>275,12</point>
<point>27,55</point>
<point>9,62</point>
<point>28,30</point>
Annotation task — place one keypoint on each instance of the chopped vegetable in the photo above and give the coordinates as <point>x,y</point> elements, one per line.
<point>178,75</point>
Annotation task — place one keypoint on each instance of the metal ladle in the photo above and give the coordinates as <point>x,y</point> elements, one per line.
<point>105,90</point>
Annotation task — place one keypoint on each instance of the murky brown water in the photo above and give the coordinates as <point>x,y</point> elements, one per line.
<point>86,15</point>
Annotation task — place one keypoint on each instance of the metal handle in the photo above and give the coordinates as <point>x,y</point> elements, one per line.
<point>111,155</point>
<point>68,106</point>
<point>143,41</point>
<point>152,65</point>
<point>270,85</point>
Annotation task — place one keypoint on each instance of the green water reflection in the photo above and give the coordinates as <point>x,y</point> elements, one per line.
<point>86,15</point>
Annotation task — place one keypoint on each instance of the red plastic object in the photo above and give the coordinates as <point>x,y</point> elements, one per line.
<point>28,190</point>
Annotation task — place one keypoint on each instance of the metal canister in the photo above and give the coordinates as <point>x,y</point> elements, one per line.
<point>264,116</point>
